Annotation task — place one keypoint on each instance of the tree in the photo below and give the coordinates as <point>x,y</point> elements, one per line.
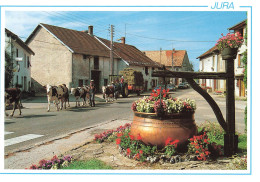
<point>8,70</point>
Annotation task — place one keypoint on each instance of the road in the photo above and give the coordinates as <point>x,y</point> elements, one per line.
<point>36,125</point>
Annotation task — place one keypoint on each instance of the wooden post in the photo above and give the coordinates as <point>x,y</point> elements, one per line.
<point>230,139</point>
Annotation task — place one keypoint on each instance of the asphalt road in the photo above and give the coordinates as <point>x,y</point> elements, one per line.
<point>48,125</point>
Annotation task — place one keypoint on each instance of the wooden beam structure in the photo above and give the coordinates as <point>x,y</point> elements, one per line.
<point>230,139</point>
<point>193,75</point>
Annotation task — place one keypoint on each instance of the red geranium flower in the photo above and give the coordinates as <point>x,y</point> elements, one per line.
<point>139,137</point>
<point>141,152</point>
<point>128,151</point>
<point>131,137</point>
<point>168,140</point>
<point>119,135</point>
<point>118,141</point>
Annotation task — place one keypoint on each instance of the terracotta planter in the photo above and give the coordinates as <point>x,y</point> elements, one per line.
<point>155,130</point>
<point>229,53</point>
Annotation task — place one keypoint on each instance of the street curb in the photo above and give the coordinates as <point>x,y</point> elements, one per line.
<point>59,138</point>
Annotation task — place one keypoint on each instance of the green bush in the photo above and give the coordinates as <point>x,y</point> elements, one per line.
<point>214,131</point>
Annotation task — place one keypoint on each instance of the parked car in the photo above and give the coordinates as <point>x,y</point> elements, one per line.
<point>171,87</point>
<point>186,83</point>
<point>182,85</point>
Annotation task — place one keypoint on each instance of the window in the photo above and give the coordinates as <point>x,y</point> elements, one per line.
<point>28,62</point>
<point>84,57</point>
<point>146,70</point>
<point>239,60</point>
<point>202,65</point>
<point>86,82</point>
<point>96,63</point>
<point>24,60</point>
<point>25,83</point>
<point>105,82</point>
<point>17,53</point>
<point>80,83</point>
<point>213,62</point>
<point>17,80</point>
<point>22,82</point>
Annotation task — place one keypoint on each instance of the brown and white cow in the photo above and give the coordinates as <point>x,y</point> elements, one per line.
<point>13,96</point>
<point>57,94</point>
<point>81,93</point>
<point>108,93</point>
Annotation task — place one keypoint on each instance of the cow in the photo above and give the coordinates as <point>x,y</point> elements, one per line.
<point>81,93</point>
<point>13,96</point>
<point>109,93</point>
<point>57,94</point>
<point>63,95</point>
<point>52,95</point>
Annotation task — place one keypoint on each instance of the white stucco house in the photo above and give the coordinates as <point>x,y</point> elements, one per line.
<point>211,61</point>
<point>20,54</point>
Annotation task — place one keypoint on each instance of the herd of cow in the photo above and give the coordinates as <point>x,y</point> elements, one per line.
<point>59,95</point>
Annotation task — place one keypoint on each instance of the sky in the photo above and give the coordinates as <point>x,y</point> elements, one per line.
<point>193,31</point>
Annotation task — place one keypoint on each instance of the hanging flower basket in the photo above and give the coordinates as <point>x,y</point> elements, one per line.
<point>229,44</point>
<point>229,53</point>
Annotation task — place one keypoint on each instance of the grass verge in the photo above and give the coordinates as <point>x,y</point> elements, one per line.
<point>88,164</point>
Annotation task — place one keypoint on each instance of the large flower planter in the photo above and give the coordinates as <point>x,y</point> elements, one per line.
<point>229,53</point>
<point>155,130</point>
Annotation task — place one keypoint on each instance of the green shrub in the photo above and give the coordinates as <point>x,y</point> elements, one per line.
<point>214,131</point>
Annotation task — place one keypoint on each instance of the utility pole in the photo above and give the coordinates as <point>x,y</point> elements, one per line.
<point>111,51</point>
<point>160,54</point>
<point>172,59</point>
<point>172,79</point>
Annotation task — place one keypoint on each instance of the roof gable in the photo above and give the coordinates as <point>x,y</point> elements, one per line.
<point>165,57</point>
<point>209,52</point>
<point>19,41</point>
<point>76,41</point>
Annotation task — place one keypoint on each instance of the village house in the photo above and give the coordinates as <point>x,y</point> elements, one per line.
<point>211,61</point>
<point>20,54</point>
<point>76,57</point>
<point>176,60</point>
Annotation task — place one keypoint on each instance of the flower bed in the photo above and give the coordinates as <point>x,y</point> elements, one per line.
<point>54,163</point>
<point>199,148</point>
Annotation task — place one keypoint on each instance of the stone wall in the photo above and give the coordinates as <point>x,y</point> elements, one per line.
<point>52,63</point>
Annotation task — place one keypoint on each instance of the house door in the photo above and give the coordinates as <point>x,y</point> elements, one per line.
<point>215,85</point>
<point>145,85</point>
<point>241,88</point>
<point>95,75</point>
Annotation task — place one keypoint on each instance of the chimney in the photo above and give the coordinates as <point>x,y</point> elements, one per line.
<point>90,30</point>
<point>123,40</point>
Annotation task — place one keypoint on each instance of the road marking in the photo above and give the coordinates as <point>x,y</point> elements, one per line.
<point>20,139</point>
<point>7,133</point>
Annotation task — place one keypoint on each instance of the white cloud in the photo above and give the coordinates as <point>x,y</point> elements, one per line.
<point>23,23</point>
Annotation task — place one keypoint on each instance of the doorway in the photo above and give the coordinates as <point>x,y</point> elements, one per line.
<point>95,75</point>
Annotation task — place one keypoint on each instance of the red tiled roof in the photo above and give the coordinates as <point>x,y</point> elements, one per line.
<point>210,51</point>
<point>19,41</point>
<point>165,57</point>
<point>130,54</point>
